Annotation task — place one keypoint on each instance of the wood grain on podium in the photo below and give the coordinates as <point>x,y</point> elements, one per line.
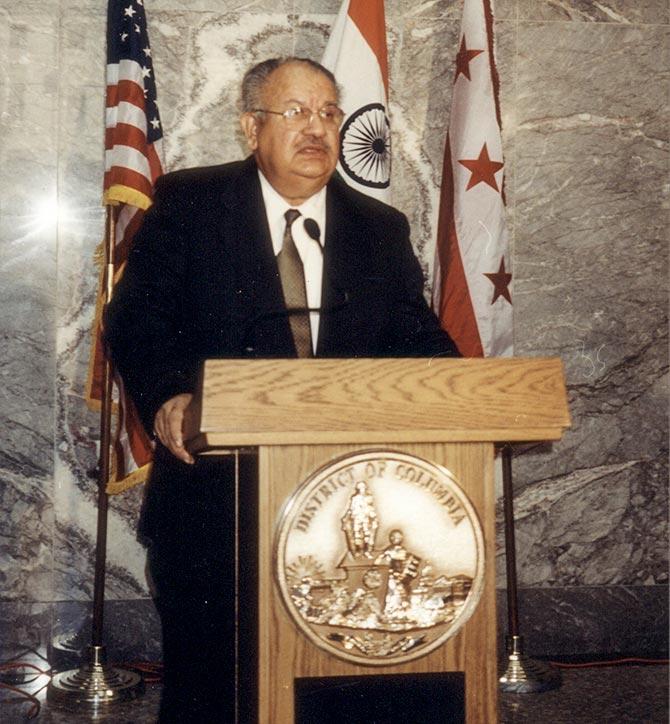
<point>314,401</point>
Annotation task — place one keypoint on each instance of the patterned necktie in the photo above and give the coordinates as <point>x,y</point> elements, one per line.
<point>293,284</point>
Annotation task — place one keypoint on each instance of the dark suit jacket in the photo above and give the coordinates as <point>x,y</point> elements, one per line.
<point>202,281</point>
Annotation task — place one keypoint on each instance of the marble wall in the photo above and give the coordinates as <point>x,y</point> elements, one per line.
<point>585,131</point>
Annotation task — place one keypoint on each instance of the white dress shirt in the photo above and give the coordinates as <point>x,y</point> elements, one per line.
<point>310,251</point>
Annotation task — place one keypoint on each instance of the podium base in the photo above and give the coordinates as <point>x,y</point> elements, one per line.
<point>94,686</point>
<point>524,675</point>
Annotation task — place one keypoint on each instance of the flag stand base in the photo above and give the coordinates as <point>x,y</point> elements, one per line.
<point>524,675</point>
<point>95,685</point>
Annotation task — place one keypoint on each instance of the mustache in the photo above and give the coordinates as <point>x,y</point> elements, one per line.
<point>314,143</point>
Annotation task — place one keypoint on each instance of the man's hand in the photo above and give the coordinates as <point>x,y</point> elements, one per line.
<point>168,426</point>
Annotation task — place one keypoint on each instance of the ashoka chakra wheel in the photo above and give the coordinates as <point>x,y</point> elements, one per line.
<point>365,152</point>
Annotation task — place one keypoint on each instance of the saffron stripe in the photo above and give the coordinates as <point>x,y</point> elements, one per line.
<point>368,15</point>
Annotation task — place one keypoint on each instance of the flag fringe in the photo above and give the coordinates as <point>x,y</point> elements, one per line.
<point>92,401</point>
<point>137,477</point>
<point>119,194</point>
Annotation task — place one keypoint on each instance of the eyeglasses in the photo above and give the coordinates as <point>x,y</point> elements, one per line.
<point>299,116</point>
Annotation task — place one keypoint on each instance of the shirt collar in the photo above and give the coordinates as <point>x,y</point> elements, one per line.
<point>276,206</point>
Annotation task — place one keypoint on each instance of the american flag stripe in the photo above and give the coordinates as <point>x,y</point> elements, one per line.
<point>154,154</point>
<point>130,149</point>
<point>129,158</point>
<point>125,113</point>
<point>128,222</point>
<point>126,135</point>
<point>131,435</point>
<point>125,69</point>
<point>125,90</point>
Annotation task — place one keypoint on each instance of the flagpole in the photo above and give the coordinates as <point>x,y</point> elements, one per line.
<point>96,685</point>
<point>105,453</point>
<point>521,674</point>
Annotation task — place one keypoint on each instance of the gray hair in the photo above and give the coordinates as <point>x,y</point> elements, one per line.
<point>256,77</point>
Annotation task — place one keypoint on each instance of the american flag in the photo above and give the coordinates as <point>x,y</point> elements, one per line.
<point>133,135</point>
<point>133,151</point>
<point>472,291</point>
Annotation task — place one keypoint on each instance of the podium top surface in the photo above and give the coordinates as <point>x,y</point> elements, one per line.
<point>319,401</point>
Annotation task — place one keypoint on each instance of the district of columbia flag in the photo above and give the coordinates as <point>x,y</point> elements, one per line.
<point>356,55</point>
<point>472,289</point>
<point>133,153</point>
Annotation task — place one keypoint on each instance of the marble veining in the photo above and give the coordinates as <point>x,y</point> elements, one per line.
<point>585,528</point>
<point>580,621</point>
<point>604,11</point>
<point>26,573</point>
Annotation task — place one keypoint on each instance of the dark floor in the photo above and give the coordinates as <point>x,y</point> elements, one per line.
<point>600,695</point>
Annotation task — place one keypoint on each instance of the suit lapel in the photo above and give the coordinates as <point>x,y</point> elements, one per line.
<point>341,267</point>
<point>247,236</point>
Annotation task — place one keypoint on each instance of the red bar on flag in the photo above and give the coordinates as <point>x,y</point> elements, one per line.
<point>472,282</point>
<point>133,151</point>
<point>356,54</point>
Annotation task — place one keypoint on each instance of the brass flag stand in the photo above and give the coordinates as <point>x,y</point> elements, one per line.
<point>95,685</point>
<point>520,673</point>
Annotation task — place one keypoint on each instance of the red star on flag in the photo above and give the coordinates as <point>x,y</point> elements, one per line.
<point>483,169</point>
<point>500,281</point>
<point>463,60</point>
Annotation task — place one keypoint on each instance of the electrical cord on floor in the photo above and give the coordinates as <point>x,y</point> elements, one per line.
<point>15,673</point>
<point>35,704</point>
<point>611,662</point>
<point>150,671</point>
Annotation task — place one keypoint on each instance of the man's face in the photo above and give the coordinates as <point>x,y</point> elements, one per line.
<point>298,162</point>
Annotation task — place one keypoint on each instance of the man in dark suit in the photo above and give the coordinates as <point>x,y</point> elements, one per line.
<point>212,273</point>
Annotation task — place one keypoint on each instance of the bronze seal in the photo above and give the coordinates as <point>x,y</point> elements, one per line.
<point>379,557</point>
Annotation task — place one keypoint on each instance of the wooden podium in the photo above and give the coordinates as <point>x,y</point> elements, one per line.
<point>301,414</point>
